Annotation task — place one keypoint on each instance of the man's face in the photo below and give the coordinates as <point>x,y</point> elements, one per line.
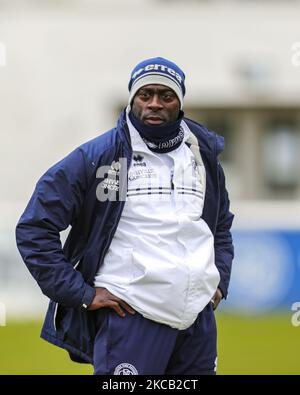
<point>156,105</point>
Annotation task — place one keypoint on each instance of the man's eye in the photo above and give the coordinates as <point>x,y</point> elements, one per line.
<point>144,95</point>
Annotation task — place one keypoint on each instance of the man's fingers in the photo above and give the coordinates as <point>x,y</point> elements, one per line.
<point>104,298</point>
<point>215,303</point>
<point>126,306</point>
<point>116,307</point>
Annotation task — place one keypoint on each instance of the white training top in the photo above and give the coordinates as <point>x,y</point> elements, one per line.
<point>161,259</point>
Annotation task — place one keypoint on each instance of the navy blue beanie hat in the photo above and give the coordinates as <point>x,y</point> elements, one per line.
<point>157,71</point>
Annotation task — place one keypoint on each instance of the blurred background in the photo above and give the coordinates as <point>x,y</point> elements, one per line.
<point>64,70</point>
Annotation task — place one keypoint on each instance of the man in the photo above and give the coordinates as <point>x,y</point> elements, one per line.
<point>148,257</point>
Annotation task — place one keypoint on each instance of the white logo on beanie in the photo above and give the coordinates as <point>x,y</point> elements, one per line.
<point>158,67</point>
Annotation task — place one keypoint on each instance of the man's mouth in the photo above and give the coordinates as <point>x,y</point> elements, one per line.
<point>154,120</point>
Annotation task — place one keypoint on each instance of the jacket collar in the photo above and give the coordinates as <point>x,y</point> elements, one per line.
<point>210,142</point>
<point>123,131</point>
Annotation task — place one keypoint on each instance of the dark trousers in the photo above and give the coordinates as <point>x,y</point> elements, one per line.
<point>136,345</point>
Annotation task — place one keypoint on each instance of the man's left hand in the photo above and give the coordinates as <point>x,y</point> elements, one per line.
<point>216,299</point>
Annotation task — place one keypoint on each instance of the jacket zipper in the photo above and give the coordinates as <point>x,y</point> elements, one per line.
<point>54,316</point>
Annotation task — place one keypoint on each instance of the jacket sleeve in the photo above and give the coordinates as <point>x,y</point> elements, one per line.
<point>53,206</point>
<point>224,251</point>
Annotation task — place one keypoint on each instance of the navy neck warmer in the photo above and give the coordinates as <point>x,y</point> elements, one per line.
<point>160,138</point>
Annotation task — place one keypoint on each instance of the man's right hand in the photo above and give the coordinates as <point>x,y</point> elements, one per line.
<point>104,298</point>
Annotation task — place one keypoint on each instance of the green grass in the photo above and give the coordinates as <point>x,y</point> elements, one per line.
<point>258,345</point>
<point>265,345</point>
<point>22,351</point>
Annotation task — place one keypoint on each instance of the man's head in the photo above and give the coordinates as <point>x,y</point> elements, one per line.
<point>156,91</point>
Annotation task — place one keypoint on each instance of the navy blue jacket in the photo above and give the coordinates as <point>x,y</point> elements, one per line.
<point>66,195</point>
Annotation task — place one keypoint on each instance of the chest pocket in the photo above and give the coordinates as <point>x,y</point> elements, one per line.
<point>190,181</point>
<point>148,180</point>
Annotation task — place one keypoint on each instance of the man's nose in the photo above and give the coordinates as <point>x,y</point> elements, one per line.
<point>155,102</point>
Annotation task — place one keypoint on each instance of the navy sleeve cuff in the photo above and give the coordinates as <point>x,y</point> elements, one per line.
<point>88,296</point>
<point>223,289</point>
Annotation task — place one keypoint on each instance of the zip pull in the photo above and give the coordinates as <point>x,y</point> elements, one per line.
<point>172,176</point>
